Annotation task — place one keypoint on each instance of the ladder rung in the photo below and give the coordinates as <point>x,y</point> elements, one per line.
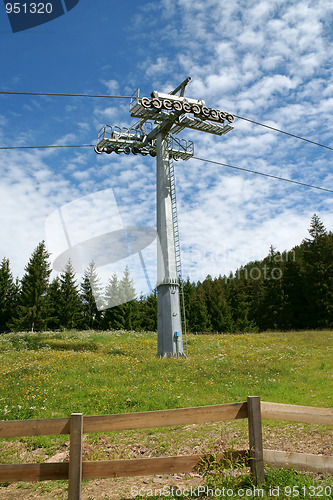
<point>175,223</point>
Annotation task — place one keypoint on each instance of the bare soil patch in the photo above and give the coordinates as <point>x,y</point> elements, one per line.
<point>193,439</point>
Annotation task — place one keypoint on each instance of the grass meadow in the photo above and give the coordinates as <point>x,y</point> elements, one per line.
<point>52,374</point>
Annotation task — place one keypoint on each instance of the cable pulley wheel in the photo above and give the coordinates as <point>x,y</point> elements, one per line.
<point>222,116</point>
<point>186,107</point>
<point>156,103</point>
<point>196,109</point>
<point>205,111</point>
<point>167,104</point>
<point>177,106</point>
<point>230,118</point>
<point>135,151</point>
<point>214,114</point>
<point>145,102</point>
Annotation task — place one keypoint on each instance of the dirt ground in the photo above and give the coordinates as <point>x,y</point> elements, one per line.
<point>293,437</point>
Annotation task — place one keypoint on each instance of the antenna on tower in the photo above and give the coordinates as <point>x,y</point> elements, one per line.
<point>170,115</point>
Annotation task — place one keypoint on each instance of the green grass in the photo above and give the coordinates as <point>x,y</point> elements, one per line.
<point>54,374</point>
<point>280,484</point>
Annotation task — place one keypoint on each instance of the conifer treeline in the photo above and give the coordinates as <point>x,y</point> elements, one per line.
<point>289,290</point>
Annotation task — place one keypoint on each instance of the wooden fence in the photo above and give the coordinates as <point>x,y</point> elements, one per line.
<point>76,425</point>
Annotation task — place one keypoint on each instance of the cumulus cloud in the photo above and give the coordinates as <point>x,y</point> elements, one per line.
<point>269,61</point>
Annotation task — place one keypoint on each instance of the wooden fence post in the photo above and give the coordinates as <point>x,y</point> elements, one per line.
<point>255,439</point>
<point>75,457</point>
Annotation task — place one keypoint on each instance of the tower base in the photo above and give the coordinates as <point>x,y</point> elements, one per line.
<point>169,328</point>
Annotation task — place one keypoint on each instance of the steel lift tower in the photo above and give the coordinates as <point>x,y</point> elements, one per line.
<point>170,112</point>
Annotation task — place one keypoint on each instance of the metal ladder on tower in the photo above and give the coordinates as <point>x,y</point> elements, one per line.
<point>177,245</point>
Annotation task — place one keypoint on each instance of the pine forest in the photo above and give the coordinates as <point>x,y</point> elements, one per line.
<point>292,290</point>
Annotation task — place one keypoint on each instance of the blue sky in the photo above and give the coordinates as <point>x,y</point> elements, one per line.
<point>270,61</point>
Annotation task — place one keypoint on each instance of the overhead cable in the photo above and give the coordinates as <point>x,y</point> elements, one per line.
<point>283,132</point>
<point>129,97</point>
<point>45,147</point>
<point>263,174</point>
<point>66,95</point>
<point>193,157</point>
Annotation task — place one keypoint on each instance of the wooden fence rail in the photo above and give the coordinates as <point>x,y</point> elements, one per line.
<point>77,425</point>
<point>307,414</point>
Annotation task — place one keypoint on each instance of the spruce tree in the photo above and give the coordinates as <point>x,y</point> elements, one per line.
<point>8,296</point>
<point>244,295</point>
<point>90,298</point>
<point>317,272</point>
<point>188,291</point>
<point>317,228</point>
<point>69,298</point>
<point>32,309</point>
<point>199,320</point>
<point>295,303</point>
<point>54,304</point>
<point>147,313</point>
<point>111,318</point>
<point>274,301</point>
<point>128,308</point>
<point>112,297</point>
<point>218,312</point>
<point>120,299</point>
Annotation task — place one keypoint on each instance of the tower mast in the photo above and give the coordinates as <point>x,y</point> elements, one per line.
<point>171,112</point>
<point>169,328</point>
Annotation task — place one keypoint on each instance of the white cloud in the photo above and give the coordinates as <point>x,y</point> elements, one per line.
<point>112,86</point>
<point>269,60</point>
